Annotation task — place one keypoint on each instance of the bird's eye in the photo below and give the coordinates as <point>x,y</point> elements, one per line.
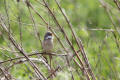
<point>50,34</point>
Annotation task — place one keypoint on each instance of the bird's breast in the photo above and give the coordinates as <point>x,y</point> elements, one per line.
<point>48,45</point>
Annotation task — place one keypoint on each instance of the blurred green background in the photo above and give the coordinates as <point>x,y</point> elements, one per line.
<point>85,15</point>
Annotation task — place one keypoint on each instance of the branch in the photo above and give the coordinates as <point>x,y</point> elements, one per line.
<point>53,54</point>
<point>117,2</point>
<point>80,45</point>
<point>17,46</point>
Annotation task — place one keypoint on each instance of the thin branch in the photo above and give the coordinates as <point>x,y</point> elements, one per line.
<point>62,30</point>
<point>19,23</point>
<point>29,4</point>
<point>53,54</point>
<point>53,72</point>
<point>6,10</point>
<point>109,30</point>
<point>113,23</point>
<point>4,73</point>
<point>37,34</point>
<point>82,69</point>
<point>103,3</point>
<point>79,44</point>
<point>32,59</point>
<point>17,46</point>
<point>117,2</point>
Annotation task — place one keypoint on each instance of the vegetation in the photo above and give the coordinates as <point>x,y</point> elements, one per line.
<point>86,39</point>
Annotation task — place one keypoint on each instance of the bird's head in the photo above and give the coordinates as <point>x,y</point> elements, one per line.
<point>48,36</point>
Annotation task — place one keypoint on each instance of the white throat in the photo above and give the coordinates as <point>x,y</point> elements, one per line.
<point>48,37</point>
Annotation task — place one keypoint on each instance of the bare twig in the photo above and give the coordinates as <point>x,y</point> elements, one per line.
<point>4,73</point>
<point>32,59</point>
<point>29,4</point>
<point>82,69</point>
<point>19,23</point>
<point>109,30</point>
<point>37,34</point>
<point>6,9</point>
<point>62,30</point>
<point>103,3</point>
<point>53,72</point>
<point>117,2</point>
<point>1,62</point>
<point>79,44</point>
<point>17,46</point>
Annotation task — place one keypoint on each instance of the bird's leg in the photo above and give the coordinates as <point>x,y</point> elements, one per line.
<point>50,56</point>
<point>45,57</point>
<point>52,70</point>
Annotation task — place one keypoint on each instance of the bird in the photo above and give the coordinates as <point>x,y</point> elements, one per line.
<point>48,47</point>
<point>48,44</point>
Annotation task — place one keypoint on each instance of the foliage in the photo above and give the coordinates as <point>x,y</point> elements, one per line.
<point>91,22</point>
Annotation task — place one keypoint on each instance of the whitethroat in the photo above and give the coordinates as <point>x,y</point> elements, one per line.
<point>48,44</point>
